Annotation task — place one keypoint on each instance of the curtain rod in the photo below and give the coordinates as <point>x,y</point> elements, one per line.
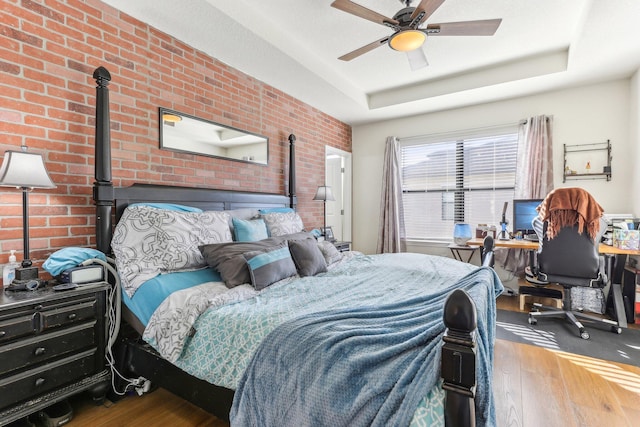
<point>451,133</point>
<point>463,131</point>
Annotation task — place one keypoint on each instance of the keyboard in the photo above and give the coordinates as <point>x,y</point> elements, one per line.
<point>531,237</point>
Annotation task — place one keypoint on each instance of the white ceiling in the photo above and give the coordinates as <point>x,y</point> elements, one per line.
<point>541,45</point>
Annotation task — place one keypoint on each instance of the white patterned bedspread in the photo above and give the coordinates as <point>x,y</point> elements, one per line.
<point>229,327</point>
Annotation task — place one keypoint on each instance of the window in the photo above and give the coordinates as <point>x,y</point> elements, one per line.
<point>456,179</point>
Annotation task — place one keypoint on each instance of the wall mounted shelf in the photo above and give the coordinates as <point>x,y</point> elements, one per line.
<point>582,153</point>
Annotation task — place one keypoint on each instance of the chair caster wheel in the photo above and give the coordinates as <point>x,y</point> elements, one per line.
<point>616,330</point>
<point>532,320</point>
<point>585,335</point>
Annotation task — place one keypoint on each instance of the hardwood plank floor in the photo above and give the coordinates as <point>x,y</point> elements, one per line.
<point>159,408</point>
<point>532,386</point>
<point>535,386</point>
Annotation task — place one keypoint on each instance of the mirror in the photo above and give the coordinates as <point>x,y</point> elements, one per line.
<point>188,134</point>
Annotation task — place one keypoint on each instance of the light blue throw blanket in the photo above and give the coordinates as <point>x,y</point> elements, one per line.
<point>368,366</point>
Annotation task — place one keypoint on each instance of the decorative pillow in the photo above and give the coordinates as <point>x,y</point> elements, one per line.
<point>249,230</point>
<point>271,210</point>
<point>281,223</point>
<point>268,266</point>
<point>228,260</point>
<point>331,254</point>
<point>244,213</point>
<point>307,256</point>
<point>149,241</point>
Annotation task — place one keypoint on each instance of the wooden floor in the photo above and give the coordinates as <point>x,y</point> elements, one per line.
<point>532,386</point>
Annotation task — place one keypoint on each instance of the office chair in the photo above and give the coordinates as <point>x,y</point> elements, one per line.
<point>570,258</point>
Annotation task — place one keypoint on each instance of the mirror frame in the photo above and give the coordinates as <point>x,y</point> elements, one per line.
<point>216,126</point>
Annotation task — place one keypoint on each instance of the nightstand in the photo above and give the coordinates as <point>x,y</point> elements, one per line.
<point>342,246</point>
<point>52,346</point>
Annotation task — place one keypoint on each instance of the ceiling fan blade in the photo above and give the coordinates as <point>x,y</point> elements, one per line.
<point>417,59</point>
<point>361,11</point>
<point>487,27</point>
<point>426,6</point>
<point>364,49</point>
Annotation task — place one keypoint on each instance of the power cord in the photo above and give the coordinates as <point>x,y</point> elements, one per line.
<point>141,385</point>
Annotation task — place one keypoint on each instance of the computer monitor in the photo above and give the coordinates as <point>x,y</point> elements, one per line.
<point>524,211</point>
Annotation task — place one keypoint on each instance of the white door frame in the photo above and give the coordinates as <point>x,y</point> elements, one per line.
<point>339,212</point>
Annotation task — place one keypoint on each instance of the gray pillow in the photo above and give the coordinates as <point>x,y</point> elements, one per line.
<point>228,260</point>
<point>268,266</point>
<point>331,254</point>
<point>307,257</point>
<point>283,223</point>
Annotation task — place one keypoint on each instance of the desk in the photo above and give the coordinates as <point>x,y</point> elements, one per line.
<point>455,251</point>
<point>616,260</point>
<point>511,243</point>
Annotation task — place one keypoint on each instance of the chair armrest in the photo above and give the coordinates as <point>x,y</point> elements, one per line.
<point>603,270</point>
<point>487,252</point>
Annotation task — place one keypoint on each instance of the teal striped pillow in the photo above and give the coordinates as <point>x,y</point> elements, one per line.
<point>270,265</point>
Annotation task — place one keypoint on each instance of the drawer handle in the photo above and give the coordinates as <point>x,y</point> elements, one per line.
<point>2,333</point>
<point>39,351</point>
<point>72,316</point>
<point>39,382</point>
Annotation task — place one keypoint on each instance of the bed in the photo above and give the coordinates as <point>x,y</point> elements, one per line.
<point>392,339</point>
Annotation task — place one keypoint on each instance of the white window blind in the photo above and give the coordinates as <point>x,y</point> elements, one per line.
<point>464,179</point>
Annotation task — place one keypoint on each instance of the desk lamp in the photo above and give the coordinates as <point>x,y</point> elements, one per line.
<point>26,171</point>
<point>504,222</point>
<point>324,194</point>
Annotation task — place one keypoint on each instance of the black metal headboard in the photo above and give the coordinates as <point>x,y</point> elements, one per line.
<point>106,196</point>
<point>203,198</point>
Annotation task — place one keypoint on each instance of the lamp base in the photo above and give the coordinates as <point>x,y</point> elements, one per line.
<point>26,273</point>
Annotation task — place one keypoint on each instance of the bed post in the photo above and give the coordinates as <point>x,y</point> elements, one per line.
<point>103,187</point>
<point>292,171</point>
<point>458,368</point>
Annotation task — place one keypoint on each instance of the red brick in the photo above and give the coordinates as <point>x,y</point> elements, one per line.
<point>50,61</point>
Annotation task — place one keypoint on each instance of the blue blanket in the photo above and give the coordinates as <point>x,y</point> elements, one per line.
<point>368,366</point>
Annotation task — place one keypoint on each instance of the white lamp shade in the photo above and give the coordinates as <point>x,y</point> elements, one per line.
<point>324,193</point>
<point>23,169</point>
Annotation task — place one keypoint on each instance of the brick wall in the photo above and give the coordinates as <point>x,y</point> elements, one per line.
<point>48,53</point>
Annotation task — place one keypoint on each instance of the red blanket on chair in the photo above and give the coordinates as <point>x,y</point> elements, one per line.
<point>569,206</point>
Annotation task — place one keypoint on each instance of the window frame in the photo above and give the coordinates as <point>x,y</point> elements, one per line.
<point>461,187</point>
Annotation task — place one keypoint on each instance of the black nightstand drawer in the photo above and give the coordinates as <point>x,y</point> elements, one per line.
<point>342,246</point>
<point>39,349</point>
<point>67,315</point>
<point>16,327</point>
<point>47,377</point>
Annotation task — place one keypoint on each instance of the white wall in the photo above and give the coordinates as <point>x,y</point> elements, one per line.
<point>582,115</point>
<point>634,138</point>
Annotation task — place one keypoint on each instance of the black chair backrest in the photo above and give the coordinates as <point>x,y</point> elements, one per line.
<point>569,258</point>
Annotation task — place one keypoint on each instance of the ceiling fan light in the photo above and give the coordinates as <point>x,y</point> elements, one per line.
<point>407,40</point>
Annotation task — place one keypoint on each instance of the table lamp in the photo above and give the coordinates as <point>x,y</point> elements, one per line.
<point>26,171</point>
<point>324,194</point>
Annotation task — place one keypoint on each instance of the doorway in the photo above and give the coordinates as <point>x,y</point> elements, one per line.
<point>338,177</point>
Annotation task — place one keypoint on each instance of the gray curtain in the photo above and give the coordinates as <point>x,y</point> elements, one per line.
<point>534,167</point>
<point>534,177</point>
<point>391,234</point>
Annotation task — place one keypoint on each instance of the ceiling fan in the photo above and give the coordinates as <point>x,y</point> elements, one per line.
<point>408,35</point>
